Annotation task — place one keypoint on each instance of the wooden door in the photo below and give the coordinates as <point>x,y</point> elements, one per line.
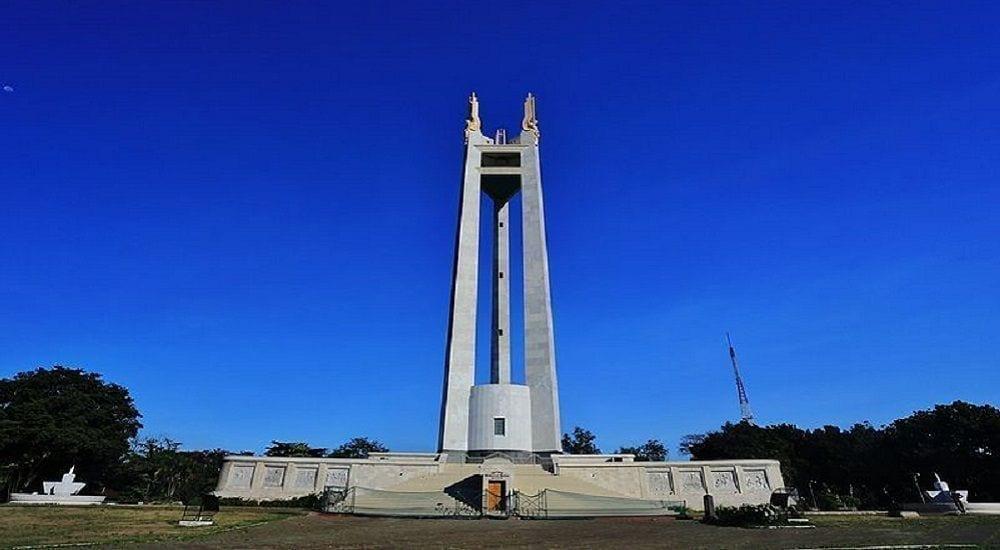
<point>494,496</point>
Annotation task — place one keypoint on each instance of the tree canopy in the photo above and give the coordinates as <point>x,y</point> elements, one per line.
<point>872,466</point>
<point>359,447</point>
<point>52,419</point>
<point>582,442</point>
<point>294,449</point>
<point>157,470</point>
<point>651,451</point>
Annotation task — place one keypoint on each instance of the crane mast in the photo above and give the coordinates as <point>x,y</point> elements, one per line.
<point>745,413</point>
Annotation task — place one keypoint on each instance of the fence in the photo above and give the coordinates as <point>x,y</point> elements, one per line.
<point>513,458</point>
<point>547,504</point>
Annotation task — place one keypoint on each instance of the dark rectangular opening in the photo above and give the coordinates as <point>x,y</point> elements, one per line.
<point>500,187</point>
<point>501,159</point>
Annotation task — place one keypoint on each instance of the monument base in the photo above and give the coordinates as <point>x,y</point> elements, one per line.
<point>730,482</point>
<point>196,523</point>
<point>74,500</point>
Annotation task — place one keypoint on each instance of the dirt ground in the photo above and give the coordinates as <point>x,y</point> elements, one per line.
<point>324,531</point>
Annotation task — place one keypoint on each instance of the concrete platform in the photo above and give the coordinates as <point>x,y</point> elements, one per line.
<point>731,482</point>
<point>68,500</point>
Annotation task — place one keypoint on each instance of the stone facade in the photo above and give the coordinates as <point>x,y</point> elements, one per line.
<point>500,170</point>
<point>279,478</point>
<point>731,482</point>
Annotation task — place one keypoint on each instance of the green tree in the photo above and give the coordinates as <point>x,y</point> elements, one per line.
<point>156,470</point>
<point>293,449</point>
<point>651,451</point>
<point>960,442</point>
<point>51,419</point>
<point>359,447</point>
<point>746,440</point>
<point>873,466</point>
<point>582,442</point>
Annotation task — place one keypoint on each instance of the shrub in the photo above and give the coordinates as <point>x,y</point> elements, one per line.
<point>309,502</point>
<point>748,515</point>
<point>827,500</point>
<point>851,502</point>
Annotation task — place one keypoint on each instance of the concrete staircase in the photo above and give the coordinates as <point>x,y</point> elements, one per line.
<point>564,496</point>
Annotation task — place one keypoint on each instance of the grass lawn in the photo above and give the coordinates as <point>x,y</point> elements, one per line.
<point>325,531</point>
<point>37,525</point>
<point>156,527</point>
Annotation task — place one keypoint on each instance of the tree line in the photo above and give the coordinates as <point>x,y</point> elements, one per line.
<point>51,419</point>
<point>584,442</point>
<point>863,466</point>
<point>868,466</point>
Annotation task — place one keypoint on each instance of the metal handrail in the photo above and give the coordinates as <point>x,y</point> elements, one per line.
<point>529,459</point>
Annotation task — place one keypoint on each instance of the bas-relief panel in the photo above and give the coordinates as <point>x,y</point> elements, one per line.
<point>660,483</point>
<point>756,480</point>
<point>724,481</point>
<point>336,478</point>
<point>691,480</point>
<point>241,477</point>
<point>274,476</point>
<point>305,478</point>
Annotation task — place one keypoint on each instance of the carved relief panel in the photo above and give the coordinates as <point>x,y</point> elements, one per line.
<point>692,481</point>
<point>660,483</point>
<point>241,476</point>
<point>336,478</point>
<point>724,481</point>
<point>756,480</point>
<point>305,478</point>
<point>274,476</point>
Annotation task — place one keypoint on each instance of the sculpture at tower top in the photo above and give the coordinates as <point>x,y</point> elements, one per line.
<point>473,124</point>
<point>530,121</point>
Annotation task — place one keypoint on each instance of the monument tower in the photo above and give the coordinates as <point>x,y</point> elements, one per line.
<point>499,443</point>
<point>501,415</point>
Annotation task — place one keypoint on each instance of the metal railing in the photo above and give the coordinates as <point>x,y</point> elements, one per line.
<point>513,458</point>
<point>530,506</point>
<point>546,504</point>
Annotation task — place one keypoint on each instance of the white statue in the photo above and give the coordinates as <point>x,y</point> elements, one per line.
<point>473,124</point>
<point>67,487</point>
<point>530,121</point>
<point>66,491</point>
<point>942,493</point>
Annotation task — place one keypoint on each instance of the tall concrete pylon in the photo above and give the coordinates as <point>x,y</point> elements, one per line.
<point>501,415</point>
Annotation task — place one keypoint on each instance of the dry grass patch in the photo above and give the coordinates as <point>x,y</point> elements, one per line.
<point>42,525</point>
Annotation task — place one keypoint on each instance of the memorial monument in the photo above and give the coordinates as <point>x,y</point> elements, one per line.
<point>66,491</point>
<point>502,439</point>
<point>500,416</point>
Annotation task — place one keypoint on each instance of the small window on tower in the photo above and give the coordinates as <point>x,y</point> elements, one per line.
<point>499,426</point>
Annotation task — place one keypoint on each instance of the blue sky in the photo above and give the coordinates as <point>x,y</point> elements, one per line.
<point>245,212</point>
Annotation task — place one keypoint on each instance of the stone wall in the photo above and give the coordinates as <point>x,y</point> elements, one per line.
<point>731,482</point>
<point>282,478</point>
